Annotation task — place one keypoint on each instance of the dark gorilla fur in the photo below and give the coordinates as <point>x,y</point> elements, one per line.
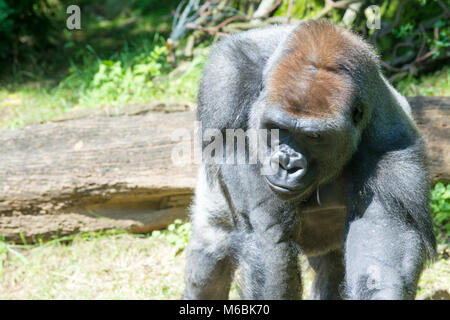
<point>356,204</point>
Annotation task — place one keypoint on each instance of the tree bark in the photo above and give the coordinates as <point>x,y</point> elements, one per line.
<point>117,172</point>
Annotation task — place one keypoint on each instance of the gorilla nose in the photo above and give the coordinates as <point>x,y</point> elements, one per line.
<point>291,162</point>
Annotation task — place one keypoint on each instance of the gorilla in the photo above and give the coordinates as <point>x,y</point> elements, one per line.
<point>350,191</point>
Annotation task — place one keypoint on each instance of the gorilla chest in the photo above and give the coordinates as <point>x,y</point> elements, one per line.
<point>322,220</point>
<point>321,231</point>
<point>317,225</point>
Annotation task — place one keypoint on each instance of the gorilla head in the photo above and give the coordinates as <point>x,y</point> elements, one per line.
<point>314,94</point>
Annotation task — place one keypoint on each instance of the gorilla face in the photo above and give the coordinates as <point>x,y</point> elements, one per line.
<point>310,152</point>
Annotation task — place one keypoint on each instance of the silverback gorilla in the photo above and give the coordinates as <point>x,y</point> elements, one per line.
<point>351,188</point>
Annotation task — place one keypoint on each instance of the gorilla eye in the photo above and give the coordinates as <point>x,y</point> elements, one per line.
<point>284,136</point>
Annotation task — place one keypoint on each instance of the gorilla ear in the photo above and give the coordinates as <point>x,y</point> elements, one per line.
<point>357,113</point>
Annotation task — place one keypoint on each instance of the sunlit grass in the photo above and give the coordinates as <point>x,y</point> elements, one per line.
<point>106,265</point>
<point>114,265</point>
<point>435,278</point>
<point>118,265</point>
<point>25,104</point>
<point>433,84</point>
<point>109,267</point>
<point>47,86</point>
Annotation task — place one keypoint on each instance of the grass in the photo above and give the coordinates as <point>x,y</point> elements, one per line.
<point>118,265</point>
<point>130,77</point>
<point>111,265</point>
<point>432,84</point>
<point>440,206</point>
<point>117,58</point>
<point>435,279</point>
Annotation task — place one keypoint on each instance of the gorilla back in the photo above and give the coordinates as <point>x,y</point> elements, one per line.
<point>348,186</point>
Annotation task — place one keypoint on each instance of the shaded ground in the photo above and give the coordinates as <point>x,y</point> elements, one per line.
<point>123,266</point>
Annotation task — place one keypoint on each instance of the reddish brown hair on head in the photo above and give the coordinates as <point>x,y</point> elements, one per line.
<point>314,76</point>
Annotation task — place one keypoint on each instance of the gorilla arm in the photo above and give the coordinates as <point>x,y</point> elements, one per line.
<point>229,86</point>
<point>389,232</point>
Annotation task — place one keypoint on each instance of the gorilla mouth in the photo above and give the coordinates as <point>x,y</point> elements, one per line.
<point>281,189</point>
<point>287,188</point>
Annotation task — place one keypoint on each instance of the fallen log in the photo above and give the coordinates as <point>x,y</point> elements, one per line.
<point>116,172</point>
<point>92,174</point>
